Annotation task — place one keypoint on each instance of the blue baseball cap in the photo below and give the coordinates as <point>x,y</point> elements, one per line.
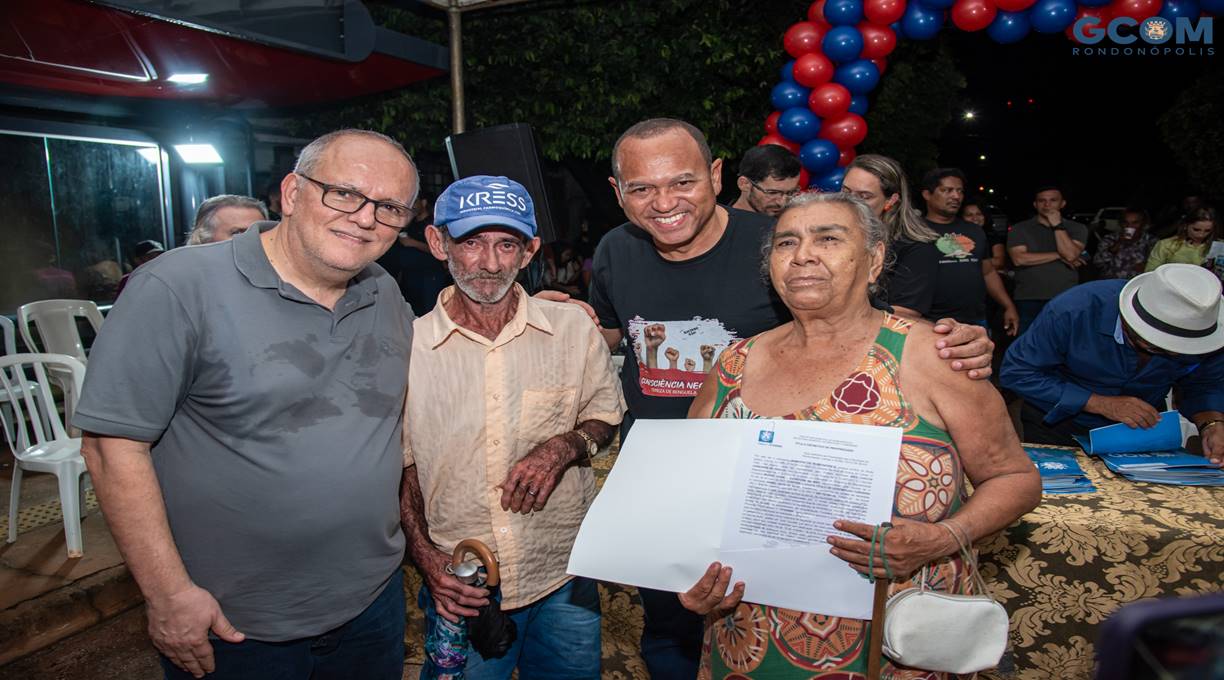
<point>485,201</point>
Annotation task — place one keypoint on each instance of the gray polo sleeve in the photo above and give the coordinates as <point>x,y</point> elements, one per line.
<point>1019,235</point>
<point>140,366</point>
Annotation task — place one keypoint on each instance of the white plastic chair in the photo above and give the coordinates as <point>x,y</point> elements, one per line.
<point>38,438</point>
<point>57,329</point>
<point>10,347</point>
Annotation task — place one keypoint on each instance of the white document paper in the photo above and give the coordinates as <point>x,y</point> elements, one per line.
<point>757,495</point>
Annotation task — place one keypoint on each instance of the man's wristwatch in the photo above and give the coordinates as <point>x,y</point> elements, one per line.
<point>592,446</point>
<point>1058,227</point>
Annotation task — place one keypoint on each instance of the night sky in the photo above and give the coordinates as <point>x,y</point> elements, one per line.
<point>1091,127</point>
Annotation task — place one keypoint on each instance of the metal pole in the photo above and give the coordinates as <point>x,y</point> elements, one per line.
<point>456,66</point>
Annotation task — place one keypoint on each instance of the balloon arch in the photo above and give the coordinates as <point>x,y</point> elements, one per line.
<point>841,50</point>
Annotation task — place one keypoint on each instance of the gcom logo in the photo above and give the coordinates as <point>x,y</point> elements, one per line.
<point>1192,36</point>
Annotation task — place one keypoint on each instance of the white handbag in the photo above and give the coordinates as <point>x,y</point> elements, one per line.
<point>937,631</point>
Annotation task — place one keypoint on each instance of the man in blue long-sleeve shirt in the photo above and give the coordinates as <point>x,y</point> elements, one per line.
<point>1109,351</point>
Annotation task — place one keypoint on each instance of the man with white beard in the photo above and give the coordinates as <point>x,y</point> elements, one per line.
<point>509,397</point>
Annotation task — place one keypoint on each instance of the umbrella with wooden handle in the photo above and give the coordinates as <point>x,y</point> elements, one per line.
<point>491,632</point>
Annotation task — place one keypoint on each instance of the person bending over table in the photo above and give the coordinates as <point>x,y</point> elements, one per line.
<point>1109,351</point>
<point>840,360</point>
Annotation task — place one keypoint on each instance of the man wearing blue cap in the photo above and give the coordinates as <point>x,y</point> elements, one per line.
<point>515,396</point>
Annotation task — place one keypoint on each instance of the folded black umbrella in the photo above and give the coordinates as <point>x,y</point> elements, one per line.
<point>491,632</point>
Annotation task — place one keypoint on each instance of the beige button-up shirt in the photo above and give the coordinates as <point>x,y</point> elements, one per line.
<point>477,406</point>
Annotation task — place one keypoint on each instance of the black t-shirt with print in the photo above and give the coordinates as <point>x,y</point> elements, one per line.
<point>679,316</point>
<point>943,278</point>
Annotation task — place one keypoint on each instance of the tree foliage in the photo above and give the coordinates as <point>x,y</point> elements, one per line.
<point>580,73</point>
<point>913,104</point>
<point>1193,128</point>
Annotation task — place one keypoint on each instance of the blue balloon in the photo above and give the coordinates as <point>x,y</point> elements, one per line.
<point>920,22</point>
<point>1180,8</point>
<point>788,95</point>
<point>860,77</point>
<point>842,44</point>
<point>1212,6</point>
<point>1052,16</point>
<point>937,4</point>
<point>788,72</point>
<point>1009,27</point>
<point>1095,3</point>
<point>858,103</point>
<point>799,124</point>
<point>830,182</point>
<point>819,156</point>
<point>843,12</point>
<point>896,27</point>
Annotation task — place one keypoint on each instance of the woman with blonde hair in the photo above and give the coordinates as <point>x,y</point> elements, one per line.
<point>1195,233</point>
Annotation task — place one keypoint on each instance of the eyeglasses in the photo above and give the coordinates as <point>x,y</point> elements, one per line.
<point>774,193</point>
<point>346,200</point>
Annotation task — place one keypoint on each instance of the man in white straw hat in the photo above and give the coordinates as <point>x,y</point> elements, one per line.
<point>1109,351</point>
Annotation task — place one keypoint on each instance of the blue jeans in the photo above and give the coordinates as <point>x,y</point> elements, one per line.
<point>558,638</point>
<point>370,647</point>
<point>671,636</point>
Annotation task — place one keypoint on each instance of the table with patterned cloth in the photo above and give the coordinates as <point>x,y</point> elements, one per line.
<point>1059,571</point>
<point>1067,565</point>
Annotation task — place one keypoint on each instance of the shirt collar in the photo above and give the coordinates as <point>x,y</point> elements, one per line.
<point>1117,332</point>
<point>437,326</point>
<point>251,259</point>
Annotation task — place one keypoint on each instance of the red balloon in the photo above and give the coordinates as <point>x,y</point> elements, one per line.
<point>771,123</point>
<point>816,13</point>
<point>884,12</point>
<point>881,64</point>
<point>846,157</point>
<point>804,178</point>
<point>802,38</point>
<point>1014,5</point>
<point>1101,13</point>
<point>1135,9</point>
<point>780,141</point>
<point>973,15</point>
<point>878,41</point>
<point>813,70</point>
<point>829,100</point>
<point>846,131</point>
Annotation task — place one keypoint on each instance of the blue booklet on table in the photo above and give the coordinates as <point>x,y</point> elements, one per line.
<point>1152,455</point>
<point>1060,471</point>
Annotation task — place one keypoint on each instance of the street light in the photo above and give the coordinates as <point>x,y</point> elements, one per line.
<point>969,115</point>
<point>198,153</point>
<point>982,157</point>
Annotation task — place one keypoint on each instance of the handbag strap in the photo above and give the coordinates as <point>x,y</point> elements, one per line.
<point>970,561</point>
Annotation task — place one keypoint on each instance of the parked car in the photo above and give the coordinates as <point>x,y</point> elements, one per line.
<point>1107,219</point>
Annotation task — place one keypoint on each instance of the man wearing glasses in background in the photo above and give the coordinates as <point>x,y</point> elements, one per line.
<point>768,177</point>
<point>247,454</point>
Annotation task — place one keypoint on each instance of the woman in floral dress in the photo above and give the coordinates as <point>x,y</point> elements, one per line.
<point>842,361</point>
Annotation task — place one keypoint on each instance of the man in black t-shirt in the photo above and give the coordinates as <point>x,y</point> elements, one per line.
<point>682,281</point>
<point>964,273</point>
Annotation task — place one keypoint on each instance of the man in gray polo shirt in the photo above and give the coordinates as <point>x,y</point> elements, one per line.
<point>242,416</point>
<point>1047,251</point>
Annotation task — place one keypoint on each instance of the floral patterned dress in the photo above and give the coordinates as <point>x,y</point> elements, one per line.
<point>757,642</point>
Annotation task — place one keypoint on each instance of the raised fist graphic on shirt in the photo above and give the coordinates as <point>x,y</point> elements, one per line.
<point>653,336</point>
<point>707,358</point>
<point>673,356</point>
<point>690,365</point>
